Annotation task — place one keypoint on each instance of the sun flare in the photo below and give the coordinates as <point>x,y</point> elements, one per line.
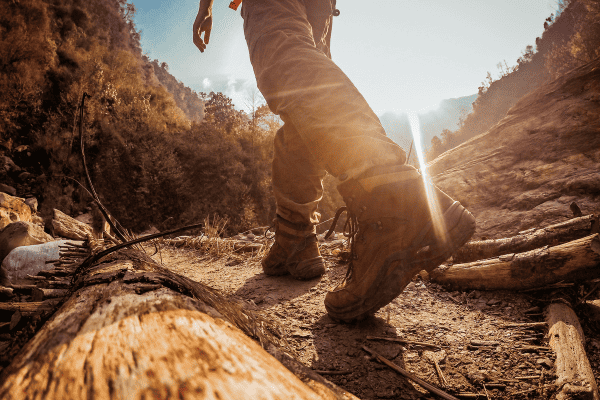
<point>434,207</point>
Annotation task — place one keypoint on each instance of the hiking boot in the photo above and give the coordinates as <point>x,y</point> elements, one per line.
<point>393,236</point>
<point>295,251</point>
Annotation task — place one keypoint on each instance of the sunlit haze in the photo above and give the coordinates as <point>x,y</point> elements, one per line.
<point>402,55</point>
<point>434,207</point>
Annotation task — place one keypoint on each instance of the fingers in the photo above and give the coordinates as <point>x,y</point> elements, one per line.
<point>202,26</point>
<point>207,35</point>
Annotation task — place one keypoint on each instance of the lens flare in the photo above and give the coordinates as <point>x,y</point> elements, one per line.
<point>439,225</point>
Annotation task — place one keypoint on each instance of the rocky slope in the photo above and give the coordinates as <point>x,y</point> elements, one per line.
<point>528,169</point>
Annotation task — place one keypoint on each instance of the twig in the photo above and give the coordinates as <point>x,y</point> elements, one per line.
<point>554,286</point>
<point>589,293</point>
<point>527,325</point>
<point>531,390</point>
<point>322,372</point>
<point>527,377</point>
<point>486,392</point>
<point>395,339</point>
<point>103,209</point>
<point>92,259</point>
<point>410,376</point>
<point>443,380</point>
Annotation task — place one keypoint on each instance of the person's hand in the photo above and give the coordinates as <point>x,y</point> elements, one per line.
<point>202,24</point>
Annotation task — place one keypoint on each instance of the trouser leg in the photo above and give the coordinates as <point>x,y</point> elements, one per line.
<point>310,93</point>
<point>297,179</point>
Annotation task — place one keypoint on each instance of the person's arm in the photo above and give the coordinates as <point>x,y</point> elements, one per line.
<point>203,23</point>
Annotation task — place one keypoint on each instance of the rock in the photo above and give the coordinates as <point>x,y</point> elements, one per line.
<point>85,218</point>
<point>545,362</point>
<point>32,203</point>
<point>7,165</point>
<point>19,234</point>
<point>24,175</point>
<point>509,187</point>
<point>8,189</point>
<point>37,220</point>
<point>493,302</point>
<point>28,260</point>
<point>68,227</point>
<point>153,230</point>
<point>13,209</point>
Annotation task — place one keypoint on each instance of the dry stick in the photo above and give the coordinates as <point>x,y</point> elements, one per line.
<point>103,209</point>
<point>589,293</point>
<point>390,339</point>
<point>527,325</point>
<point>408,375</point>
<point>440,373</point>
<point>321,372</point>
<point>92,259</point>
<point>486,392</point>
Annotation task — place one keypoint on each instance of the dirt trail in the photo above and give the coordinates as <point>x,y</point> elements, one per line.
<point>424,312</point>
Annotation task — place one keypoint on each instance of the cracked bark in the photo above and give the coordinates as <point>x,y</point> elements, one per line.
<point>129,328</point>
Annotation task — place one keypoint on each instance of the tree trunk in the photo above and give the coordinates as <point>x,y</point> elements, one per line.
<point>573,261</point>
<point>575,378</point>
<point>132,329</point>
<point>527,240</point>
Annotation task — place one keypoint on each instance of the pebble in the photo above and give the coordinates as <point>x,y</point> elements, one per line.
<point>493,302</point>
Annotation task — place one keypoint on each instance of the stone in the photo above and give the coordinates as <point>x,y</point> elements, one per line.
<point>7,165</point>
<point>8,189</point>
<point>29,260</point>
<point>152,231</point>
<point>85,218</point>
<point>13,209</point>
<point>24,175</point>
<point>493,302</point>
<point>19,234</point>
<point>37,220</point>
<point>32,203</point>
<point>545,362</point>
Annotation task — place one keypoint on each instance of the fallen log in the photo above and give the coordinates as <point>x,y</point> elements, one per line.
<point>552,235</point>
<point>173,338</point>
<point>575,378</point>
<point>577,260</point>
<point>70,228</point>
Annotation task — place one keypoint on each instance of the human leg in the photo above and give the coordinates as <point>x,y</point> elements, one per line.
<point>396,229</point>
<point>310,92</point>
<point>298,188</point>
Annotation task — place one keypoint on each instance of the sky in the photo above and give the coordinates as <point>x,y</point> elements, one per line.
<point>402,55</point>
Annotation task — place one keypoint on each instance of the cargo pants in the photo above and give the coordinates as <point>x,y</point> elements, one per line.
<point>328,125</point>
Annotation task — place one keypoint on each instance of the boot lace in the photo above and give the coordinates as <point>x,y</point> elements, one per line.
<point>351,230</point>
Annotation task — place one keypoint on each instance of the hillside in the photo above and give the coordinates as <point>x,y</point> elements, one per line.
<point>571,38</point>
<point>529,168</point>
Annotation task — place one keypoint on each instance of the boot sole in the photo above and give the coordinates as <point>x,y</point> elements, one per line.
<point>460,226</point>
<point>307,269</point>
